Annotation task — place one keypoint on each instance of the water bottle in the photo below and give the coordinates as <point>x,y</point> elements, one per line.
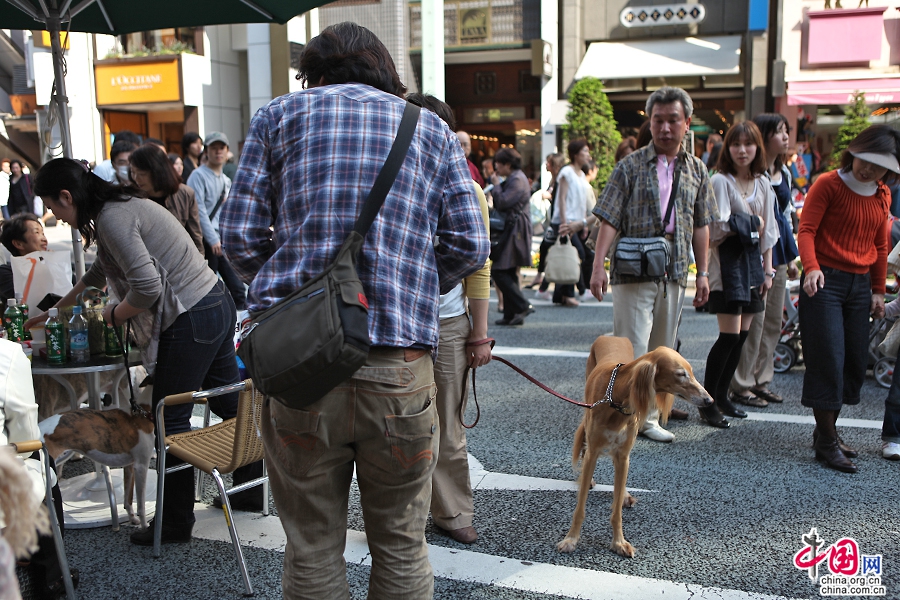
<point>13,322</point>
<point>56,338</point>
<point>79,343</point>
<point>24,308</point>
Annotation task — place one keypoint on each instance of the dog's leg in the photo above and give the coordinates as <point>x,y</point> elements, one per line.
<point>128,482</point>
<point>588,464</point>
<point>621,498</point>
<point>141,467</point>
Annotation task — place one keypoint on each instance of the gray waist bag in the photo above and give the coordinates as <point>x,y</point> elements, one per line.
<point>642,257</point>
<point>309,342</point>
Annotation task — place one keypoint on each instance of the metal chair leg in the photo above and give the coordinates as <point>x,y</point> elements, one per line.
<point>201,476</point>
<point>265,487</point>
<point>111,491</point>
<point>235,541</point>
<point>57,531</point>
<point>160,487</point>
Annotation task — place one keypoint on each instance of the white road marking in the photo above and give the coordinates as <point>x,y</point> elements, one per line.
<point>257,531</point>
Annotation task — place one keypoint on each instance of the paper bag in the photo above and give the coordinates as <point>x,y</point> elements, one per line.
<point>40,273</point>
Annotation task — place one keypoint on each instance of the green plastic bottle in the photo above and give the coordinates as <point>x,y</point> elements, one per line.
<point>24,308</point>
<point>13,322</point>
<point>56,338</point>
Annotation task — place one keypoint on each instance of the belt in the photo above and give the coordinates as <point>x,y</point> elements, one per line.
<point>408,354</point>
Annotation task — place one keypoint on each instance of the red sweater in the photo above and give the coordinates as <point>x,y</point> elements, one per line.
<point>843,230</point>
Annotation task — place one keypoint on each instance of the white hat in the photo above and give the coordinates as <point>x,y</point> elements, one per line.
<point>887,161</point>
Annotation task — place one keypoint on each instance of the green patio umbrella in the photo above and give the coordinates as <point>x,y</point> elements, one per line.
<point>126,16</point>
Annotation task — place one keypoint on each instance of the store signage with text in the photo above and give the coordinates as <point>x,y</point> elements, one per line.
<point>137,83</point>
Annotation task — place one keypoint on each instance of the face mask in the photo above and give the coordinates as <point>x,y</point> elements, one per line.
<point>123,173</point>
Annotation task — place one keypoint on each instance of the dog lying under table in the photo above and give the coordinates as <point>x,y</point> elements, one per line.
<point>624,395</point>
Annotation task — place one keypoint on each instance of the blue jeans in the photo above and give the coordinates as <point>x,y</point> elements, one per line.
<point>834,325</point>
<point>890,430</point>
<point>195,352</point>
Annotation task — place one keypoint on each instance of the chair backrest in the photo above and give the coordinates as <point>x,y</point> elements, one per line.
<point>248,445</point>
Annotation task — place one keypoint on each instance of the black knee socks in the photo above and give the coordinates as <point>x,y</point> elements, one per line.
<point>722,362</point>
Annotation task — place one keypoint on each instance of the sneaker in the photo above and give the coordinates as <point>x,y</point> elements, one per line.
<point>657,433</point>
<point>170,535</point>
<point>545,295</point>
<point>890,451</point>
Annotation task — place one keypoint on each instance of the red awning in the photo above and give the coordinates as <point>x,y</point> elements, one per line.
<point>878,91</point>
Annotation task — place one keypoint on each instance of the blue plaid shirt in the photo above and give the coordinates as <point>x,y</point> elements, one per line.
<point>309,162</point>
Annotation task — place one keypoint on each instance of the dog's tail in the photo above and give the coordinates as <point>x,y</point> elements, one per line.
<point>578,446</point>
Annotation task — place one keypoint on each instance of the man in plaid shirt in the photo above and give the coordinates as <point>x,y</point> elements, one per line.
<point>308,163</point>
<point>647,311</point>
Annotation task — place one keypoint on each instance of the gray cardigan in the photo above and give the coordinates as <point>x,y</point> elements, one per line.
<point>135,234</point>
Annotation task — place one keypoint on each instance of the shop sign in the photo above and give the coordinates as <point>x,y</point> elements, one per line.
<point>473,25</point>
<point>494,115</point>
<point>666,14</point>
<point>138,82</point>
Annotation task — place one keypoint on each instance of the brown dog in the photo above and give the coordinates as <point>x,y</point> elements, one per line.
<point>654,377</point>
<point>113,438</point>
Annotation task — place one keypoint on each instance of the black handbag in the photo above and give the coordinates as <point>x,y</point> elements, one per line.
<point>497,222</point>
<point>309,342</point>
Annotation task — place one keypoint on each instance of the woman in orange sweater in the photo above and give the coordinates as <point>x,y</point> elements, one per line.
<point>844,242</point>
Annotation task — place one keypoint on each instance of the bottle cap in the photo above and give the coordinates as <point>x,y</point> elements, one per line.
<point>76,310</point>
<point>11,302</point>
<point>53,312</point>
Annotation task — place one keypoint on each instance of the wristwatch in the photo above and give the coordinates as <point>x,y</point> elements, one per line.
<point>703,274</point>
<point>772,274</point>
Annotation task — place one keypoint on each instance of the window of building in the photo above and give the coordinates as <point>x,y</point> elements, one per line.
<point>175,40</point>
<point>479,23</point>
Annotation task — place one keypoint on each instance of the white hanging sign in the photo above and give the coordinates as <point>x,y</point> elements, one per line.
<point>666,14</point>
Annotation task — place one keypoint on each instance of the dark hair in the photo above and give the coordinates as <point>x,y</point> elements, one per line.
<point>120,147</point>
<point>127,136</point>
<point>557,160</point>
<point>713,159</point>
<point>629,143</point>
<point>89,192</point>
<point>173,157</point>
<point>768,126</point>
<point>509,156</point>
<point>189,138</point>
<point>152,159</point>
<point>155,141</point>
<point>645,136</point>
<point>14,229</point>
<point>587,167</point>
<point>441,109</point>
<point>574,147</point>
<point>349,53</point>
<point>16,161</point>
<point>880,139</point>
<point>743,129</point>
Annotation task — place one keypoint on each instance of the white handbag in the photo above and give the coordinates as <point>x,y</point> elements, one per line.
<point>563,263</point>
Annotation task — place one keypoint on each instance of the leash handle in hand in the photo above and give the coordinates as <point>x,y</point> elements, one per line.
<point>136,409</point>
<point>465,394</point>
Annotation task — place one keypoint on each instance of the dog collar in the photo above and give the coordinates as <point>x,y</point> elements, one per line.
<point>608,398</point>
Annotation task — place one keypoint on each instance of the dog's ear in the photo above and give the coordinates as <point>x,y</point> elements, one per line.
<point>664,402</point>
<point>644,390</point>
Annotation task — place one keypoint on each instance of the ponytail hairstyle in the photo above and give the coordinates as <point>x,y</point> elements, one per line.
<point>89,192</point>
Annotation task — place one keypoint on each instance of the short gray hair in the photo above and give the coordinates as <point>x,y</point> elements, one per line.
<point>668,95</point>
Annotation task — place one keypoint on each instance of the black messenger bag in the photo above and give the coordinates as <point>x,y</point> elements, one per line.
<point>305,345</point>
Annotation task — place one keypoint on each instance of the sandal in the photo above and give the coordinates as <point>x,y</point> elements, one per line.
<point>751,400</point>
<point>767,394</point>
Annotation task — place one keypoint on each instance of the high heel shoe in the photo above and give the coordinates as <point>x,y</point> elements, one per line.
<point>713,417</point>
<point>730,409</point>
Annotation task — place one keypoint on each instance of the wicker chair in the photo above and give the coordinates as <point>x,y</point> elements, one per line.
<point>215,450</point>
<point>56,529</point>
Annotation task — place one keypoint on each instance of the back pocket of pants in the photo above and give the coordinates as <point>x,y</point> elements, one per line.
<point>296,444</point>
<point>208,323</point>
<point>412,440</point>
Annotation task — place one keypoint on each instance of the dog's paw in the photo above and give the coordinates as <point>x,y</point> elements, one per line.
<point>623,548</point>
<point>567,545</point>
<point>593,483</point>
<point>629,501</point>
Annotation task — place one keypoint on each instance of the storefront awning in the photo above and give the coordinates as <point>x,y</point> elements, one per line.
<point>878,91</point>
<point>692,56</point>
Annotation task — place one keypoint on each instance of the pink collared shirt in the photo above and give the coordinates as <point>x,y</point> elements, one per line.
<point>665,173</point>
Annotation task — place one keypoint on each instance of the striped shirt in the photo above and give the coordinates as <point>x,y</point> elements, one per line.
<point>309,162</point>
<point>630,202</point>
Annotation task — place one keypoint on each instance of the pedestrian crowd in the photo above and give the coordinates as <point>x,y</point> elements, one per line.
<point>186,241</point>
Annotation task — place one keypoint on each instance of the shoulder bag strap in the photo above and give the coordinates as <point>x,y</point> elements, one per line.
<point>388,173</point>
<point>221,199</point>
<point>676,178</point>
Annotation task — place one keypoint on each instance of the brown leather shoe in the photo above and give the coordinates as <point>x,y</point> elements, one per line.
<point>828,452</point>
<point>678,415</point>
<point>464,535</point>
<point>847,450</point>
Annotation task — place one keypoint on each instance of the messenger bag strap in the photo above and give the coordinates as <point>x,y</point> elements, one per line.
<point>676,178</point>
<point>388,173</point>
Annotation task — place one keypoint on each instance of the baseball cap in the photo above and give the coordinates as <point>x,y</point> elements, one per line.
<point>216,136</point>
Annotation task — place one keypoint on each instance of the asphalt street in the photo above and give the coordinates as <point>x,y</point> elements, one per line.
<point>722,514</point>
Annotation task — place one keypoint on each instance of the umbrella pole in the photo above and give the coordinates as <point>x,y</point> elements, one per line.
<point>62,104</point>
